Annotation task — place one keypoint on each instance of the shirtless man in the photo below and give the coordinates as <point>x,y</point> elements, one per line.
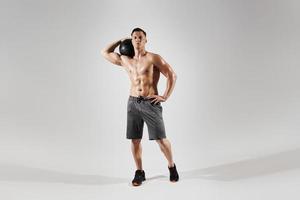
<point>144,102</point>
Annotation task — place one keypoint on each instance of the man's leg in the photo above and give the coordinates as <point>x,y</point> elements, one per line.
<point>136,149</point>
<point>165,147</point>
<point>139,176</point>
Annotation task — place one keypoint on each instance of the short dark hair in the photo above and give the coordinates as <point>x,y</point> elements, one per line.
<point>138,29</point>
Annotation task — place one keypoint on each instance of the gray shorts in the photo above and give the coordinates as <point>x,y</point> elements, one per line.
<point>140,109</point>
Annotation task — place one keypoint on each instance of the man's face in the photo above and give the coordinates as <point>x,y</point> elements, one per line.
<point>138,39</point>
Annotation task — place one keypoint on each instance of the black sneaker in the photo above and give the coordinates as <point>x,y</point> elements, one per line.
<point>173,173</point>
<point>139,177</point>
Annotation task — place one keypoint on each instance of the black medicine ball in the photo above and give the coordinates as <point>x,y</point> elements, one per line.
<point>126,48</point>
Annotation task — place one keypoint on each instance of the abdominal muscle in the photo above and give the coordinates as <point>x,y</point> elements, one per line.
<point>144,84</point>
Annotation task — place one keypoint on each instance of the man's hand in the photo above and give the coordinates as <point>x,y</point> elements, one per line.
<point>157,98</point>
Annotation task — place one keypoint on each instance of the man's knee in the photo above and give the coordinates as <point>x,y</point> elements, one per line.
<point>136,141</point>
<point>162,142</point>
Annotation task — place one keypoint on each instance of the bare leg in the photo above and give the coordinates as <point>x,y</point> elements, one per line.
<point>136,149</point>
<point>165,147</point>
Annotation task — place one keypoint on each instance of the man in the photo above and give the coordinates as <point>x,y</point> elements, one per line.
<point>144,103</point>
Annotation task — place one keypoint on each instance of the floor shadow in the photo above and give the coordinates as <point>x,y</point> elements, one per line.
<point>156,177</point>
<point>248,168</point>
<point>227,172</point>
<point>14,172</point>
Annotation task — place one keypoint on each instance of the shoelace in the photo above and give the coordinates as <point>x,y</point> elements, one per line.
<point>173,169</point>
<point>138,175</point>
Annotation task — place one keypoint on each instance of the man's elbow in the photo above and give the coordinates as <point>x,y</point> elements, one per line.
<point>174,76</point>
<point>103,52</point>
<point>171,76</point>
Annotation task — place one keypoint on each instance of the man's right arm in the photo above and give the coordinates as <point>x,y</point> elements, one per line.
<point>109,54</point>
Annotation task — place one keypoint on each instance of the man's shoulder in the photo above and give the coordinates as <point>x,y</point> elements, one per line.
<point>152,53</point>
<point>153,56</point>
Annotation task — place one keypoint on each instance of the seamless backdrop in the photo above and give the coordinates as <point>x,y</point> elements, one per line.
<point>63,106</point>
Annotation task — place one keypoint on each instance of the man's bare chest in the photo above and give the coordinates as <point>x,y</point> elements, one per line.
<point>140,67</point>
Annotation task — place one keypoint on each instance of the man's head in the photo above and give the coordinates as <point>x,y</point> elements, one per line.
<point>139,39</point>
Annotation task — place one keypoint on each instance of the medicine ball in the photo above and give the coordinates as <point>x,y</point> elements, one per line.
<point>126,48</point>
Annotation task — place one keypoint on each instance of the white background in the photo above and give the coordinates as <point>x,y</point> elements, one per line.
<point>63,106</point>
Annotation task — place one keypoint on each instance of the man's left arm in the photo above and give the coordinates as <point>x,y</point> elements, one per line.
<point>169,73</point>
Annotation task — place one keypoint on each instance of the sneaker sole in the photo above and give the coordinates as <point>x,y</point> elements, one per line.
<point>136,184</point>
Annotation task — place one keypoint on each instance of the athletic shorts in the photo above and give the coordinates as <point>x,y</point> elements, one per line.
<point>140,110</point>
